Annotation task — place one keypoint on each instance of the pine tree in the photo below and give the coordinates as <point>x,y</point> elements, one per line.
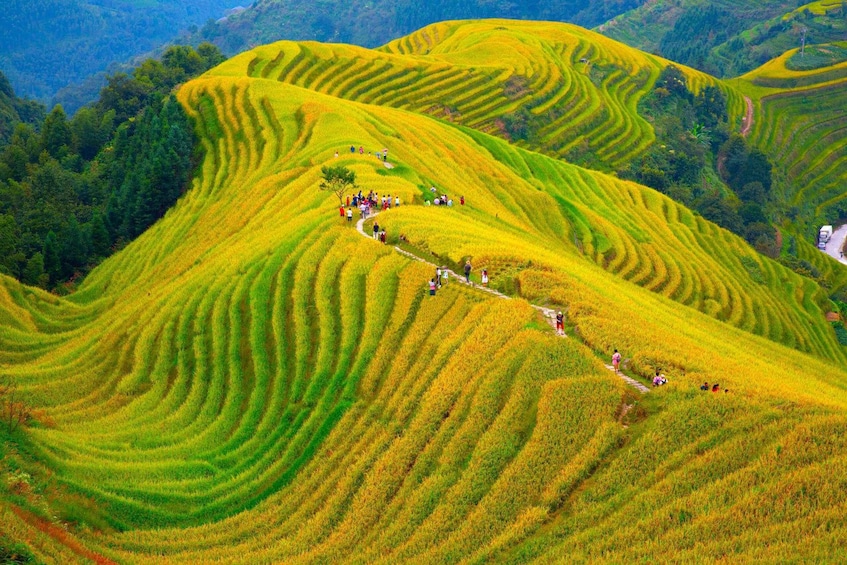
<point>52,260</point>
<point>56,136</point>
<point>100,240</point>
<point>74,252</point>
<point>34,271</point>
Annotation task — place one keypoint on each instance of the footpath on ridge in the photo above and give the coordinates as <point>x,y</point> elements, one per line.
<point>748,118</point>
<point>548,313</point>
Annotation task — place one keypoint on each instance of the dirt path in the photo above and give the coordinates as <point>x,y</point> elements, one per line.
<point>748,118</point>
<point>548,313</point>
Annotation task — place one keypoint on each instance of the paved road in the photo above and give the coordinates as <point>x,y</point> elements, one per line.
<point>836,244</point>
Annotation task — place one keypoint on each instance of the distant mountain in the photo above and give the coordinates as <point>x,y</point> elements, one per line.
<point>725,37</point>
<point>46,45</point>
<point>375,23</point>
<point>14,110</point>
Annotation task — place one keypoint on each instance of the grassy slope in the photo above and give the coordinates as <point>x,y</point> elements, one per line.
<point>266,385</point>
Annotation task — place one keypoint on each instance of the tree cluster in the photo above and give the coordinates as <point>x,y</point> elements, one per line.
<point>697,162</point>
<point>72,190</point>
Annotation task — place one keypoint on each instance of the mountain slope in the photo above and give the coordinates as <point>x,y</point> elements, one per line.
<point>49,44</point>
<point>252,380</point>
<point>802,124</point>
<point>580,90</point>
<point>381,21</point>
<point>719,37</point>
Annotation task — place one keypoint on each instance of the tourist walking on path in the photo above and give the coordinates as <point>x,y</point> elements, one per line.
<point>468,271</point>
<point>485,277</point>
<point>560,323</point>
<point>376,230</point>
<point>616,361</point>
<point>432,287</point>
<point>396,201</point>
<point>349,214</point>
<point>438,276</point>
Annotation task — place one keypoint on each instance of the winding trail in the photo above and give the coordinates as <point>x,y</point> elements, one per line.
<point>748,118</point>
<point>548,313</point>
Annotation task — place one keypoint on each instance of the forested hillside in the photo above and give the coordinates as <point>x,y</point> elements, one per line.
<point>727,38</point>
<point>378,22</point>
<point>46,45</point>
<point>75,189</point>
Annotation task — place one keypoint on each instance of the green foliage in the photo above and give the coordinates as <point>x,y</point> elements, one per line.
<point>727,38</point>
<point>14,110</point>
<point>83,186</point>
<point>676,162</point>
<point>817,57</point>
<point>840,332</point>
<point>339,180</point>
<point>15,553</point>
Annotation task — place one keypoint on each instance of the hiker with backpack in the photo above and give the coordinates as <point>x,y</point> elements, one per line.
<point>616,361</point>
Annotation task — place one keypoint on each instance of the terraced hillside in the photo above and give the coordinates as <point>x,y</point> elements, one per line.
<point>253,381</point>
<point>580,90</point>
<point>801,123</point>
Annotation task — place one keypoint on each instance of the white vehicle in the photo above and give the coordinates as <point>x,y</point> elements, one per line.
<point>824,235</point>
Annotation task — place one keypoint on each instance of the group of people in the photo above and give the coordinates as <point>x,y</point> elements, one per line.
<point>658,379</point>
<point>381,155</point>
<point>379,233</point>
<point>714,388</point>
<point>366,204</point>
<point>443,200</point>
<point>442,274</point>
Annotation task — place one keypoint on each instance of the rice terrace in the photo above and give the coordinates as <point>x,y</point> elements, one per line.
<point>258,379</point>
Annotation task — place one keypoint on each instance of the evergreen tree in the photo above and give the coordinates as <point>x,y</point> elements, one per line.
<point>73,249</point>
<point>8,244</point>
<point>34,271</point>
<point>100,240</point>
<point>56,136</point>
<point>52,259</point>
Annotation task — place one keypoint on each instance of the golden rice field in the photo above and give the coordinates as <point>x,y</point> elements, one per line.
<point>252,381</point>
<point>582,87</point>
